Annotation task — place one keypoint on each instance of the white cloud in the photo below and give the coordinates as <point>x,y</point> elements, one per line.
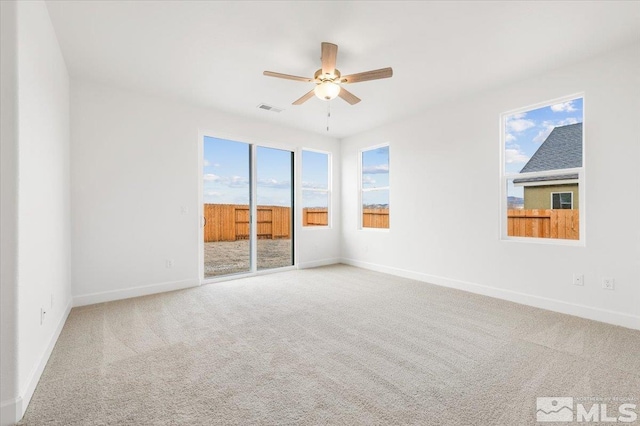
<point>216,164</point>
<point>543,134</point>
<point>313,185</point>
<point>563,107</point>
<point>231,182</point>
<point>517,116</point>
<point>515,156</point>
<point>206,162</point>
<point>510,137</point>
<point>519,124</point>
<point>314,194</point>
<point>236,181</point>
<point>567,121</point>
<point>548,126</point>
<point>379,168</point>
<point>213,193</point>
<point>368,179</point>
<point>274,183</point>
<point>315,199</point>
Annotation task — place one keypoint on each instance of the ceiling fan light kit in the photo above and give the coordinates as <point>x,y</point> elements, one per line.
<point>327,90</point>
<point>328,79</point>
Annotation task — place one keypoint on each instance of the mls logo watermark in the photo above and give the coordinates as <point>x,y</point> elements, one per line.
<point>554,409</point>
<point>586,409</point>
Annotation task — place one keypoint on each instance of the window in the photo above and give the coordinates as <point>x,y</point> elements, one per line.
<point>316,193</point>
<point>562,200</point>
<point>543,171</point>
<point>374,187</point>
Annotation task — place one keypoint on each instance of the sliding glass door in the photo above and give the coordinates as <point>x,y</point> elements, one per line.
<point>247,208</point>
<point>226,196</point>
<point>274,172</point>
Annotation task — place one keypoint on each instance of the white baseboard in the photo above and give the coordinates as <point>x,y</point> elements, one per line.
<point>9,412</point>
<point>127,293</point>
<point>18,406</point>
<point>588,312</point>
<point>316,263</point>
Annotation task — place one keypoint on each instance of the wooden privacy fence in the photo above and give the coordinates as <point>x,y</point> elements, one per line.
<point>315,216</point>
<point>544,223</point>
<point>230,222</point>
<point>375,218</point>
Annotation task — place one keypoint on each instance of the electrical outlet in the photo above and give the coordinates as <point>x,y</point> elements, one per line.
<point>51,301</point>
<point>608,283</point>
<point>184,210</point>
<point>578,279</point>
<point>169,263</point>
<point>42,315</point>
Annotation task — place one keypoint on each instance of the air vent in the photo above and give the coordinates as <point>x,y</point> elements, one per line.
<point>270,108</point>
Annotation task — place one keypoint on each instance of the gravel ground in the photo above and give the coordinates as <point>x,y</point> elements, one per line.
<point>232,257</point>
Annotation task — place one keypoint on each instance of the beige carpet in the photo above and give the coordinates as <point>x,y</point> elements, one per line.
<point>334,345</point>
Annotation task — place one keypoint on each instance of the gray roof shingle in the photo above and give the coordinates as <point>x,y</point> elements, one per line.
<point>561,150</point>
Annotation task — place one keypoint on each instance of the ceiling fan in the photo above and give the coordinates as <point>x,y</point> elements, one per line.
<point>328,79</point>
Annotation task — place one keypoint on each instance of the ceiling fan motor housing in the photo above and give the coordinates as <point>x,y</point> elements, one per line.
<point>319,77</point>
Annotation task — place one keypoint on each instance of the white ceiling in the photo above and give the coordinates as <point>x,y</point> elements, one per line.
<point>213,53</point>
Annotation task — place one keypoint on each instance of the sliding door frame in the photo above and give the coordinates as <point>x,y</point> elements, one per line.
<point>253,204</point>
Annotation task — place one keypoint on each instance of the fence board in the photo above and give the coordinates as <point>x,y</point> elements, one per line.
<point>315,216</point>
<point>242,224</point>
<point>562,226</point>
<point>375,218</point>
<point>265,218</point>
<point>280,223</point>
<point>544,223</point>
<point>553,223</point>
<point>522,224</point>
<point>573,227</point>
<point>222,228</point>
<point>528,226</point>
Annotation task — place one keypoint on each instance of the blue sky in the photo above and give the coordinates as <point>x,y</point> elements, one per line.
<point>315,179</point>
<point>375,174</point>
<point>526,131</point>
<point>226,173</point>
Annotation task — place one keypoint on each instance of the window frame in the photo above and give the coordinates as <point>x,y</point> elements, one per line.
<point>362,190</point>
<point>506,177</point>
<point>327,191</point>
<point>560,197</point>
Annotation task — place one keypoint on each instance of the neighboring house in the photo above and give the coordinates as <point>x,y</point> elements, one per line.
<point>561,150</point>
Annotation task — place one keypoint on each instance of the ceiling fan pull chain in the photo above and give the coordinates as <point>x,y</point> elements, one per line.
<point>328,114</point>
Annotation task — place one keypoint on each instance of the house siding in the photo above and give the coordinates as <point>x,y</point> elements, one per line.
<point>539,197</point>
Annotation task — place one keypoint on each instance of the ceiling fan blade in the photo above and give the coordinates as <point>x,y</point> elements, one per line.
<point>329,54</point>
<point>366,76</point>
<point>287,76</point>
<point>304,98</point>
<point>348,96</point>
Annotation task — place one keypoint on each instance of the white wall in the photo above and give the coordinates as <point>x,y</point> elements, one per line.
<point>134,165</point>
<point>40,233</point>
<point>445,201</point>
<point>9,212</point>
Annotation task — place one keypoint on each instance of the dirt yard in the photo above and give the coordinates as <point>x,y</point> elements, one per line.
<point>232,257</point>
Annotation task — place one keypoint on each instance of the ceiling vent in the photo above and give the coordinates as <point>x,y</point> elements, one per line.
<point>270,108</point>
